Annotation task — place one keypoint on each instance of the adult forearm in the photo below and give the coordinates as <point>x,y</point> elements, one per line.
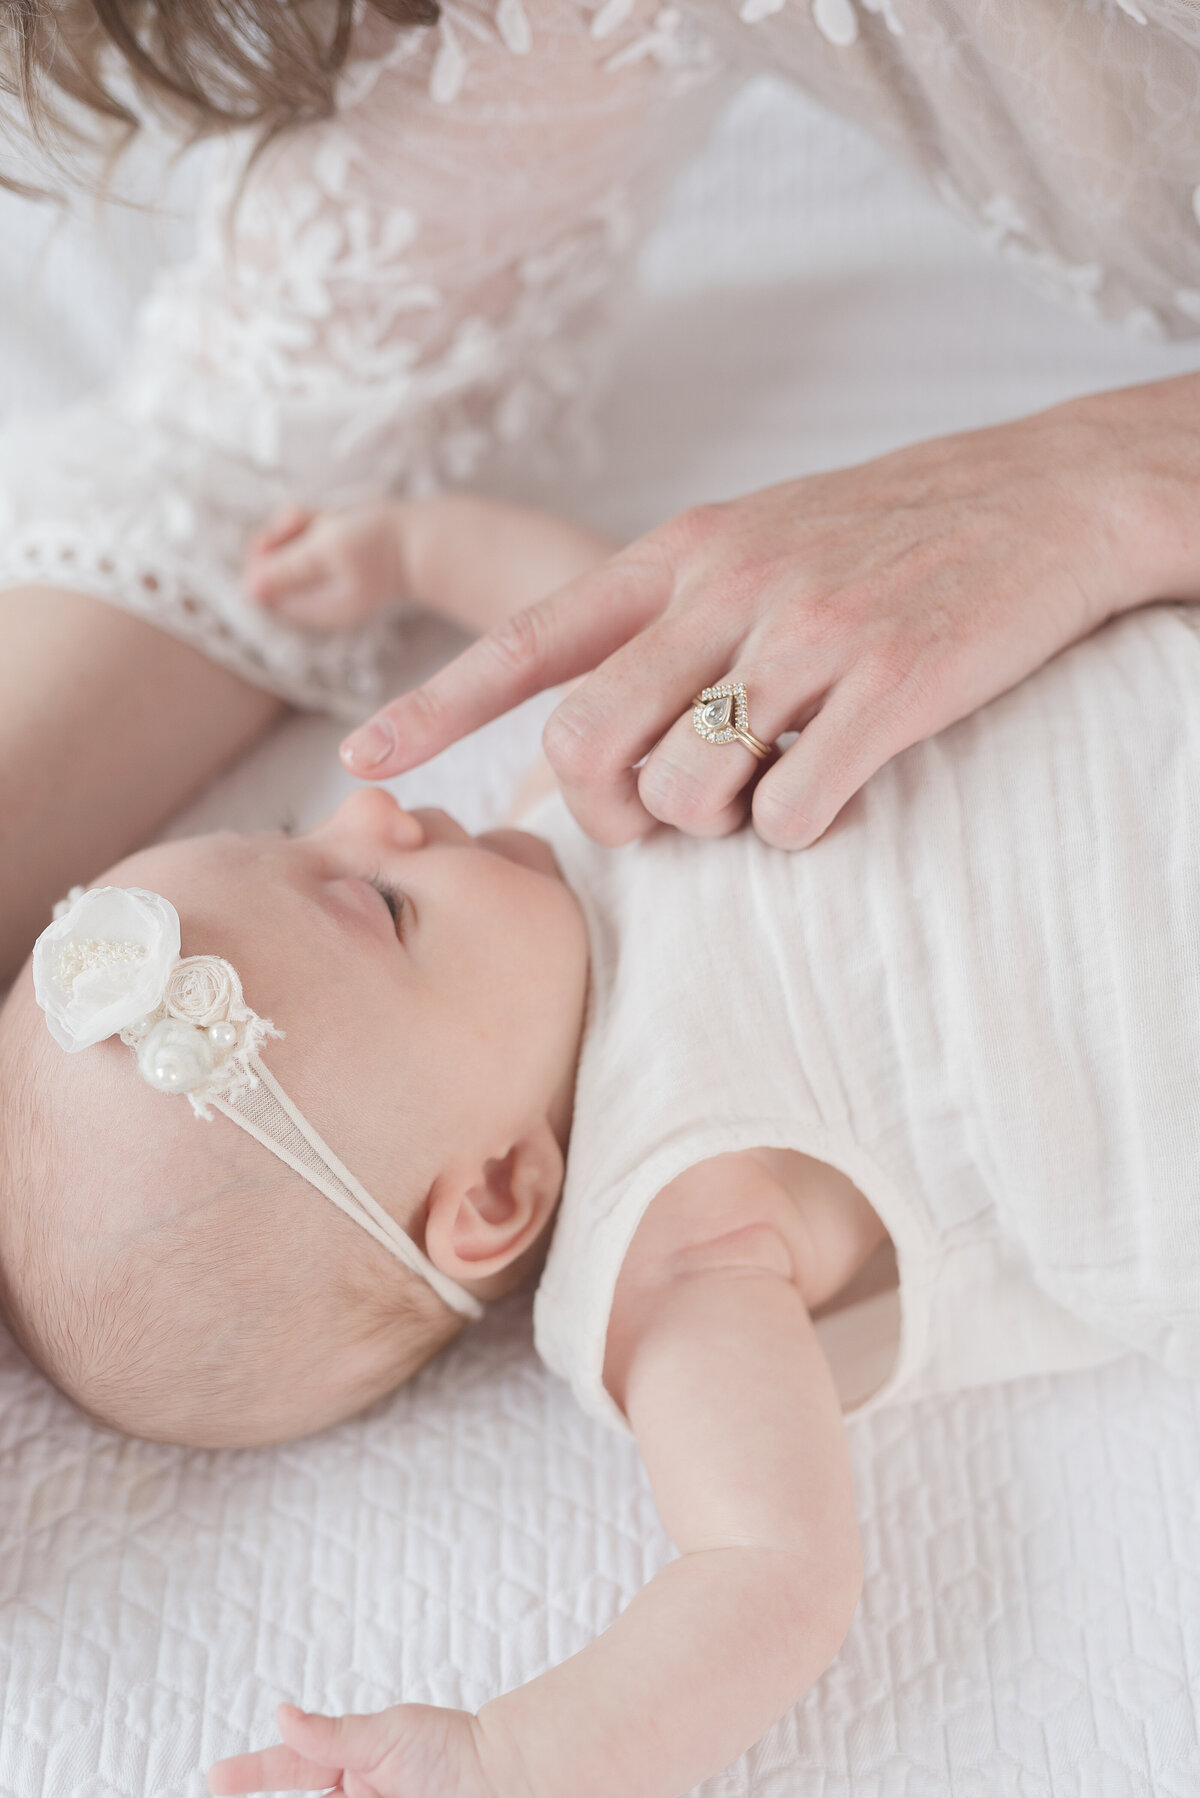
<point>714,1650</point>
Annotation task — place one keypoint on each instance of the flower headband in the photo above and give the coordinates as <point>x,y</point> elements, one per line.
<point>110,965</point>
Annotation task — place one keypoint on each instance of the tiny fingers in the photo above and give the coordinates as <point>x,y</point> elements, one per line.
<point>316,1752</point>
<point>352,1744</point>
<point>270,1770</point>
<point>277,575</point>
<point>281,529</point>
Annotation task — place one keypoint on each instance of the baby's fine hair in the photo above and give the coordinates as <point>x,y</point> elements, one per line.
<point>187,1288</point>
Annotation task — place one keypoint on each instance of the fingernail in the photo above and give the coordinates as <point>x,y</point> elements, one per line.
<point>370,745</point>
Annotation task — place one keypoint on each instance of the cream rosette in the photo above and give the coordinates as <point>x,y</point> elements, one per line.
<point>203,990</point>
<point>204,1039</point>
<point>104,963</point>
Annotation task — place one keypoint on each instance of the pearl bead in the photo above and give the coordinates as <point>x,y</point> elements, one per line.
<point>175,1057</point>
<point>140,1027</point>
<point>223,1036</point>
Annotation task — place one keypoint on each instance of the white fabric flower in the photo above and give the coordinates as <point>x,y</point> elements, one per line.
<point>203,990</point>
<point>104,963</point>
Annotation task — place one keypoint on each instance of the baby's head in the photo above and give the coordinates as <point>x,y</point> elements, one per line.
<point>180,1282</point>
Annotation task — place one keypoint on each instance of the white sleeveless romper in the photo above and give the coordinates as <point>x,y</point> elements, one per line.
<point>978,996</point>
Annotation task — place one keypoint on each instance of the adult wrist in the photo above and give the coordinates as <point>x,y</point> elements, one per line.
<point>1137,456</point>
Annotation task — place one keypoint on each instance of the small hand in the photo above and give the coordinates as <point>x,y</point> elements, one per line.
<point>409,1751</point>
<point>326,571</point>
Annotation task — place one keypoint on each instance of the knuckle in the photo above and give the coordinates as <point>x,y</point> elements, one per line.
<point>705,519</point>
<point>819,618</point>
<point>520,644</point>
<point>900,675</point>
<point>883,671</point>
<point>695,527</point>
<point>571,747</point>
<point>421,712</point>
<point>678,795</point>
<point>783,820</point>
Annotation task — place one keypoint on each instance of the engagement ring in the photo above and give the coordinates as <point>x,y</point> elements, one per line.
<point>721,715</point>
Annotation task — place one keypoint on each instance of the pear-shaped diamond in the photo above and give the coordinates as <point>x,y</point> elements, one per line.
<point>718,712</point>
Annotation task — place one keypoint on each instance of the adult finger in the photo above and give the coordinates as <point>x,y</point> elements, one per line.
<point>602,730</point>
<point>563,635</point>
<point>854,733</point>
<point>690,782</point>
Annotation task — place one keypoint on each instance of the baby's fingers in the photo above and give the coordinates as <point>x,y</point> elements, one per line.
<point>279,575</point>
<point>281,529</point>
<point>271,1770</point>
<point>317,1751</point>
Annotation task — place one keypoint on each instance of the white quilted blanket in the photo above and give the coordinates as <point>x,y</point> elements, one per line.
<point>1031,1619</point>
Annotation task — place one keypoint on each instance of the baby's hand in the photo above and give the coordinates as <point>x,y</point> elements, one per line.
<point>326,571</point>
<point>409,1751</point>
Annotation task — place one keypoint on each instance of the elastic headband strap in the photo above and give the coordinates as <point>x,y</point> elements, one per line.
<point>322,1169</point>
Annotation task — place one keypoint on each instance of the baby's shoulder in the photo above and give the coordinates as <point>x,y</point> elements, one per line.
<point>766,1208</point>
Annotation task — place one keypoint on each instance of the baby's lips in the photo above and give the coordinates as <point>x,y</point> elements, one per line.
<point>370,746</point>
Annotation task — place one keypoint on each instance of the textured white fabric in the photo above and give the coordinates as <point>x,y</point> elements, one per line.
<point>978,996</point>
<point>416,291</point>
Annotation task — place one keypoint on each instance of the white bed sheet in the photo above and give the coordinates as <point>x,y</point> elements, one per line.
<point>1031,1618</point>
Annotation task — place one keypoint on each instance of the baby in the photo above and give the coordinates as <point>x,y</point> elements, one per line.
<point>956,1039</point>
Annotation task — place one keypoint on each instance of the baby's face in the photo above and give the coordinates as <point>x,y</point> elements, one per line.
<point>430,983</point>
<point>431,988</point>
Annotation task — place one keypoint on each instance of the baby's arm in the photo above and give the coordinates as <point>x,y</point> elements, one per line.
<point>716,1363</point>
<point>713,1355</point>
<point>469,559</point>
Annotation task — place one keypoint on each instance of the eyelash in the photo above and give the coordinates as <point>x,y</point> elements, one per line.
<point>391,896</point>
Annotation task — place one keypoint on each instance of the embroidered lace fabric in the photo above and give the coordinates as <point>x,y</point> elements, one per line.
<point>422,287</point>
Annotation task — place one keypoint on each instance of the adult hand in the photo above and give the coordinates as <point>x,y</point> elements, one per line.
<point>866,608</point>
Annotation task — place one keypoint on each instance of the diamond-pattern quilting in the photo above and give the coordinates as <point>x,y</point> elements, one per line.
<point>1029,1626</point>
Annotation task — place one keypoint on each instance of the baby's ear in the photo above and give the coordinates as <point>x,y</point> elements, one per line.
<point>482,1218</point>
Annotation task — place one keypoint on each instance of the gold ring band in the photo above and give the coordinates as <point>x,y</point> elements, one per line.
<point>721,715</point>
<point>754,744</point>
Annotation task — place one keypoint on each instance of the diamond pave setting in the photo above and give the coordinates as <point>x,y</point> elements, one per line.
<point>720,712</point>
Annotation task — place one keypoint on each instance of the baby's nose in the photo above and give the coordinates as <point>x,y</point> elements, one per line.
<point>375,815</point>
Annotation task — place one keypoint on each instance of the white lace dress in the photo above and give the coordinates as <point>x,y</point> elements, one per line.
<point>419,288</point>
